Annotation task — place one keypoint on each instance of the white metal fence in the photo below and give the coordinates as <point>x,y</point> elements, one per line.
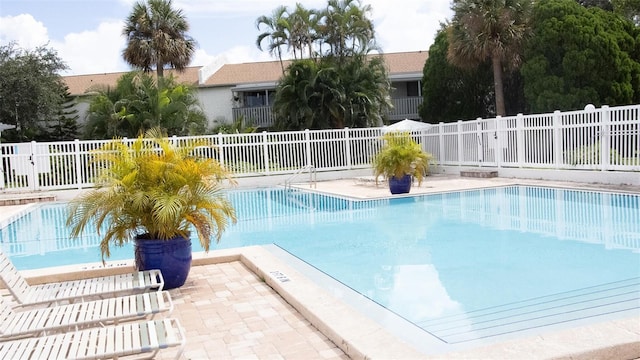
<point>604,139</point>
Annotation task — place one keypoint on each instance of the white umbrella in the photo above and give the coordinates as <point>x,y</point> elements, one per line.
<point>407,125</point>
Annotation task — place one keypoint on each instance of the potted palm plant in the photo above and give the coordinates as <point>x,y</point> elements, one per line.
<point>155,193</point>
<point>399,161</point>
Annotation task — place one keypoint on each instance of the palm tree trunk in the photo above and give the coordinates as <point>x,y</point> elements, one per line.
<point>498,85</point>
<point>280,58</point>
<point>160,70</point>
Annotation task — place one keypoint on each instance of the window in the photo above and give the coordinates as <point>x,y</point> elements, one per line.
<point>413,88</point>
<point>259,98</point>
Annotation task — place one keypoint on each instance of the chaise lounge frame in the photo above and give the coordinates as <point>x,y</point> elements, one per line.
<point>105,286</point>
<point>35,322</point>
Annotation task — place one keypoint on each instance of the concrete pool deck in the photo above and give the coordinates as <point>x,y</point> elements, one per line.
<point>266,309</point>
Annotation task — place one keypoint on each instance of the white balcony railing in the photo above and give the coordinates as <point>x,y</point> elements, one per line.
<point>405,108</point>
<point>263,117</point>
<point>259,116</point>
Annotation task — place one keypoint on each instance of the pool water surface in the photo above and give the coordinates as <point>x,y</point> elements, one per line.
<point>461,266</point>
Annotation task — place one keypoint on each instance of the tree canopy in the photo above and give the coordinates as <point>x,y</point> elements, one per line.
<point>319,95</point>
<point>332,82</point>
<point>489,30</point>
<point>451,93</point>
<point>31,90</point>
<point>580,56</point>
<point>157,37</point>
<point>138,103</point>
<point>341,29</point>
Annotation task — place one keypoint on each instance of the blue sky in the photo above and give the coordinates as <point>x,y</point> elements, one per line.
<point>87,33</point>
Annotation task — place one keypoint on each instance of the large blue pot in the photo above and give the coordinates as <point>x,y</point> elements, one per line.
<point>400,185</point>
<point>172,257</point>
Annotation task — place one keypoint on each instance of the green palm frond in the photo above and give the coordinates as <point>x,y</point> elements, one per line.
<point>155,188</point>
<point>400,156</point>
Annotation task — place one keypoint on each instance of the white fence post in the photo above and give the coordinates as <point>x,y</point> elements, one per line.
<point>520,140</point>
<point>32,178</point>
<point>79,167</point>
<point>460,140</point>
<point>479,142</point>
<point>605,138</point>
<point>265,152</point>
<point>220,144</point>
<point>497,141</point>
<point>440,141</point>
<point>347,148</point>
<point>2,168</point>
<point>307,142</point>
<point>557,139</point>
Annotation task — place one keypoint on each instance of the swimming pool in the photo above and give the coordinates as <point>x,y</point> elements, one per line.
<point>461,266</point>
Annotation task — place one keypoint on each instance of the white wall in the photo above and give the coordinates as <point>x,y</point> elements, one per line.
<point>216,103</point>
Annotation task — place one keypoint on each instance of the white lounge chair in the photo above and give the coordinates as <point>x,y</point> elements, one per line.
<point>105,286</point>
<point>41,321</point>
<point>128,339</point>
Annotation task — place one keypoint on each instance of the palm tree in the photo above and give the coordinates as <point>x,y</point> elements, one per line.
<point>292,104</point>
<point>489,30</point>
<point>347,28</point>
<point>139,102</point>
<point>368,89</point>
<point>157,36</point>
<point>276,30</point>
<point>303,23</point>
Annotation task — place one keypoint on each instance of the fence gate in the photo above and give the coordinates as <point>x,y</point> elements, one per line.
<point>22,164</point>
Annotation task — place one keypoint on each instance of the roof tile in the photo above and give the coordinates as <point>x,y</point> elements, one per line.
<point>244,73</point>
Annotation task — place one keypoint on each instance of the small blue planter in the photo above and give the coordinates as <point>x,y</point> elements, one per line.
<point>172,257</point>
<point>401,185</point>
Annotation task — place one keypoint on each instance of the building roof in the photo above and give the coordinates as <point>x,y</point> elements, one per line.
<point>81,84</point>
<point>402,63</point>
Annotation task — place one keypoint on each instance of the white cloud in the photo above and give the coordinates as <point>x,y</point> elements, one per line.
<point>23,29</point>
<point>95,51</point>
<point>220,8</point>
<point>410,26</point>
<point>241,54</point>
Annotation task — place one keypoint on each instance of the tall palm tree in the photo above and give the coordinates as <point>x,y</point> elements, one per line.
<point>276,31</point>
<point>157,36</point>
<point>303,23</point>
<point>347,28</point>
<point>489,30</point>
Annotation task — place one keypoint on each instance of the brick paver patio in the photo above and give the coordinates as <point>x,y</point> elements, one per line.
<point>229,313</point>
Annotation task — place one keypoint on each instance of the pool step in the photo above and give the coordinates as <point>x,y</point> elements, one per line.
<point>615,297</point>
<point>26,199</point>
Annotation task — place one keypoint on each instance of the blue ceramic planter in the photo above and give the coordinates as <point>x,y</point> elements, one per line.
<point>401,185</point>
<point>172,257</point>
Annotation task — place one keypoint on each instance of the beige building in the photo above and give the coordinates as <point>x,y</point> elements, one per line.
<point>230,91</point>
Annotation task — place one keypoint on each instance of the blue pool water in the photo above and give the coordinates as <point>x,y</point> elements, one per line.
<point>461,265</point>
